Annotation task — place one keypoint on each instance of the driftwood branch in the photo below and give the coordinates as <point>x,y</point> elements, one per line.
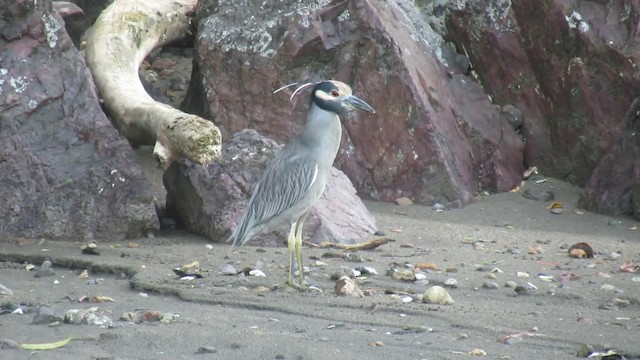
<point>367,245</point>
<point>121,38</point>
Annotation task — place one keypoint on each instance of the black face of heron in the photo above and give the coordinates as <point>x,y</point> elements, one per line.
<point>336,97</point>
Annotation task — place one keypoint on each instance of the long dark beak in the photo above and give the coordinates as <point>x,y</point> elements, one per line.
<point>354,102</point>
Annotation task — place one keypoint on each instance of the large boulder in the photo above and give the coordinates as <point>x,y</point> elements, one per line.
<point>570,66</point>
<point>210,200</point>
<point>436,135</point>
<point>614,186</point>
<point>65,173</point>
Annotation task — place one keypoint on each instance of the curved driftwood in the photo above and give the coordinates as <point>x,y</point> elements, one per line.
<point>122,36</point>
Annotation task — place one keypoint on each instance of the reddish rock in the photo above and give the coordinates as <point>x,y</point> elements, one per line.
<point>65,173</point>
<point>435,137</point>
<point>568,65</point>
<point>614,187</point>
<point>210,199</point>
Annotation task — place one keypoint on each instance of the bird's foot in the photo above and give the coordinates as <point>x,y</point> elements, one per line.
<point>291,284</point>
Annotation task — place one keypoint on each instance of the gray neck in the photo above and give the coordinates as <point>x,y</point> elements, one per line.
<point>322,134</point>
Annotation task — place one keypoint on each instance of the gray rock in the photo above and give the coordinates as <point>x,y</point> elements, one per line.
<point>46,315</point>
<point>210,199</point>
<point>538,194</point>
<point>65,172</point>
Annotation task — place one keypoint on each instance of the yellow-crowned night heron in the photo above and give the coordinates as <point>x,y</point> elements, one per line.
<point>296,177</point>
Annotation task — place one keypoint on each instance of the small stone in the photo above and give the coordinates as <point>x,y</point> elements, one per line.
<point>492,276</point>
<point>614,222</point>
<point>45,270</point>
<point>614,255</point>
<point>438,207</point>
<point>608,287</point>
<point>510,284</point>
<point>346,286</point>
<point>404,274</point>
<point>8,344</point>
<point>377,344</point>
<point>367,270</point>
<point>207,350</point>
<point>404,201</point>
<point>437,295</point>
<point>451,282</point>
<point>46,315</point>
<point>490,285</point>
<point>228,269</point>
<point>538,195</point>
<point>420,276</point>
<point>406,299</point>
<point>208,247</point>
<point>620,302</point>
<point>522,274</point>
<point>108,336</point>
<point>257,273</point>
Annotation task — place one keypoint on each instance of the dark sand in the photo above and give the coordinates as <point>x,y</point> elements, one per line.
<point>227,314</point>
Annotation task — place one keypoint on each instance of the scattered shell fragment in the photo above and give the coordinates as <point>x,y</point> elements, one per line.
<point>451,282</point>
<point>556,208</point>
<point>257,273</point>
<point>629,267</point>
<point>228,269</point>
<point>490,285</point>
<point>404,201</point>
<point>477,352</point>
<point>404,274</point>
<point>95,299</point>
<point>426,265</point>
<point>581,250</point>
<point>437,295</point>
<point>90,249</point>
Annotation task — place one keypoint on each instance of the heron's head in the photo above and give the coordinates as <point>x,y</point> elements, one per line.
<point>336,96</point>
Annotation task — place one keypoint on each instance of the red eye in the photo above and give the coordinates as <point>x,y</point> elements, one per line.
<point>335,93</point>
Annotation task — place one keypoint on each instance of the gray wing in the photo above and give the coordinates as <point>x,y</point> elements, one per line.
<point>284,183</point>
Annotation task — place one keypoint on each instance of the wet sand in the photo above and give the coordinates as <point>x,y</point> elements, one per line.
<point>243,317</point>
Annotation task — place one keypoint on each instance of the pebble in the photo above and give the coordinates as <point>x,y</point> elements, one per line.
<point>208,247</point>
<point>87,317</point>
<point>404,201</point>
<point>614,222</point>
<point>368,270</point>
<point>437,295</point>
<point>438,207</point>
<point>420,276</point>
<point>96,281</point>
<point>404,274</point>
<point>5,291</point>
<point>346,286</point>
<point>490,285</point>
<point>614,255</point>
<point>620,302</point>
<point>208,350</point>
<point>228,269</point>
<point>406,299</point>
<point>46,315</point>
<point>45,270</point>
<point>257,273</point>
<point>608,287</point>
<point>510,284</point>
<point>451,282</point>
<point>492,276</point>
<point>522,274</point>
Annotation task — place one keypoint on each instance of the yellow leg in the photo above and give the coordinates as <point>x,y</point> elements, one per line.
<point>291,243</point>
<point>299,250</point>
